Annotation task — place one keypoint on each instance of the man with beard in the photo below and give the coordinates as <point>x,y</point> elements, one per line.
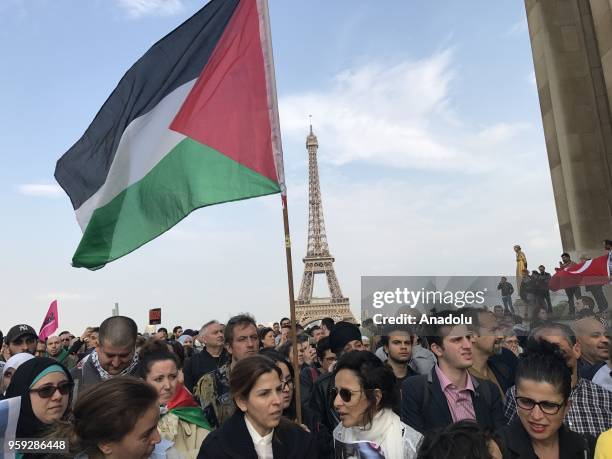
<point>590,405</point>
<point>591,335</point>
<point>241,341</point>
<point>21,338</point>
<point>56,351</point>
<point>490,360</point>
<point>114,356</point>
<point>602,374</point>
<point>449,393</point>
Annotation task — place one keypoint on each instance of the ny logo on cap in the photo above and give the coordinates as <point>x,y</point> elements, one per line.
<point>24,327</point>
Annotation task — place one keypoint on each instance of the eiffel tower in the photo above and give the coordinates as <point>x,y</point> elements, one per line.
<point>318,260</point>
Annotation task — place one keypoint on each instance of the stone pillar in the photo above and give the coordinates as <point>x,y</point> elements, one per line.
<point>571,42</point>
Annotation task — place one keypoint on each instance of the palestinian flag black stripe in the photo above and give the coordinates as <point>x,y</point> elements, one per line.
<point>175,60</point>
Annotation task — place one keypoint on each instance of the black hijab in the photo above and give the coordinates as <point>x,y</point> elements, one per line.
<point>28,425</point>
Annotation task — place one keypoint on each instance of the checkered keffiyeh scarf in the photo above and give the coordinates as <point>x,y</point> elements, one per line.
<point>104,374</point>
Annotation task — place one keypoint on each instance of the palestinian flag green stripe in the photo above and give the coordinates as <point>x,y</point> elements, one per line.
<point>158,201</point>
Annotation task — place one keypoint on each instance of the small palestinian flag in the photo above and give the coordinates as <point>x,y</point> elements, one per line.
<point>193,123</point>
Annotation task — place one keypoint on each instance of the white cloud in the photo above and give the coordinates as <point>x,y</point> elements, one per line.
<point>38,189</point>
<point>531,79</point>
<point>518,28</point>
<point>498,133</point>
<point>398,115</point>
<point>139,8</point>
<point>16,11</point>
<point>403,228</point>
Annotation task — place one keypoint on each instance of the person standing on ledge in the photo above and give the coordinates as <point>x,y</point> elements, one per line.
<point>521,265</point>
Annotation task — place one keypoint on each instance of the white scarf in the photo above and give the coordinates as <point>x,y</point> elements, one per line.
<point>104,374</point>
<point>397,440</point>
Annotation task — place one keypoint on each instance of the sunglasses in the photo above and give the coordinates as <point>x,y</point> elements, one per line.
<point>546,406</point>
<point>48,390</point>
<point>346,394</point>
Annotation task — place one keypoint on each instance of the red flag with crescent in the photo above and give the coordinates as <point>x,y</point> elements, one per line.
<point>588,272</point>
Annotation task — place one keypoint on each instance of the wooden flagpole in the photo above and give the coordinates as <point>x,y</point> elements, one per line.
<point>294,343</point>
<point>262,6</point>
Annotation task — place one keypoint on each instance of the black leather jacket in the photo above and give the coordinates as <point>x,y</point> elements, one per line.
<point>324,416</point>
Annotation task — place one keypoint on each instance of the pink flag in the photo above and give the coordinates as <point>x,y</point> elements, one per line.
<point>50,323</point>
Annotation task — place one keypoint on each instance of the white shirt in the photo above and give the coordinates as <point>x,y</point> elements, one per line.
<point>603,378</point>
<point>263,445</point>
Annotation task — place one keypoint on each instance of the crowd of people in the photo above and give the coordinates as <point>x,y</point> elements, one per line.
<point>228,390</point>
<point>533,289</point>
<point>503,384</point>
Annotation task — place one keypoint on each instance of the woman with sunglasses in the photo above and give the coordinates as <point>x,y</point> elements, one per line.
<point>364,397</point>
<point>182,421</point>
<point>45,388</point>
<point>257,428</point>
<point>543,387</point>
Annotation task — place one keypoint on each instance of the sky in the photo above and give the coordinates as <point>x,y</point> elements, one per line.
<point>431,154</point>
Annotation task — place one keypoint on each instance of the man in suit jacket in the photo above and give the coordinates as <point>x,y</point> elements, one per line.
<point>449,393</point>
<point>490,360</point>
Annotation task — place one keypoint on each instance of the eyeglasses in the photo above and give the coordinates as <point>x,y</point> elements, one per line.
<point>286,383</point>
<point>48,390</point>
<point>546,406</point>
<point>346,394</point>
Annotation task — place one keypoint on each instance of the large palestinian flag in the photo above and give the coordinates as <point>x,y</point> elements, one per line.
<point>193,123</point>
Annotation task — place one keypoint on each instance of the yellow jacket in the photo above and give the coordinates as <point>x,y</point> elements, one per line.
<point>603,450</point>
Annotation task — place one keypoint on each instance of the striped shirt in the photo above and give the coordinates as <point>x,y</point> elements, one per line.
<point>459,400</point>
<point>590,411</point>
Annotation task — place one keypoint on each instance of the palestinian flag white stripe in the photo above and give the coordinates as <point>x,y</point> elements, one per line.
<point>144,143</point>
